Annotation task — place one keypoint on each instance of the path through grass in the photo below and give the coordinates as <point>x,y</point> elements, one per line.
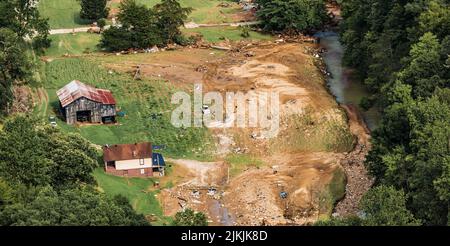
<point>73,44</point>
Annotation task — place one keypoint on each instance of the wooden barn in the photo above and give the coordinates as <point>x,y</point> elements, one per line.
<point>86,104</point>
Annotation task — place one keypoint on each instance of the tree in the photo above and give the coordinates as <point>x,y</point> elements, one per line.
<point>116,39</point>
<point>190,218</point>
<point>71,207</point>
<point>385,206</point>
<point>46,179</point>
<point>380,206</point>
<point>93,9</point>
<point>34,154</point>
<point>346,221</point>
<point>25,21</point>
<point>171,16</point>
<point>425,70</point>
<point>401,50</point>
<point>138,30</point>
<point>435,19</point>
<point>291,15</point>
<point>6,195</point>
<point>15,66</point>
<point>411,152</point>
<point>101,23</point>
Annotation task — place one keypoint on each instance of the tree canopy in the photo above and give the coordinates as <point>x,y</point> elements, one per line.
<point>142,27</point>
<point>25,21</point>
<point>21,27</point>
<point>15,66</point>
<point>401,48</point>
<point>189,217</point>
<point>381,206</point>
<point>46,179</point>
<point>93,9</point>
<point>291,15</point>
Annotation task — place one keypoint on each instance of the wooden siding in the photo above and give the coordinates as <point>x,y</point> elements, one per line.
<point>148,172</point>
<point>98,110</point>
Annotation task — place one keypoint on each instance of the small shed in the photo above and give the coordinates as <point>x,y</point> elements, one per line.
<point>83,103</point>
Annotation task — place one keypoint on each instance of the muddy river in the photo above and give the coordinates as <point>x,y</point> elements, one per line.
<point>345,87</point>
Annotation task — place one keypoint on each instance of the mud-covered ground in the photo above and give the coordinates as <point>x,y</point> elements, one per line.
<point>304,169</point>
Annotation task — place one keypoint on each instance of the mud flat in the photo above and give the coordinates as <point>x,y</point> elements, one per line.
<point>300,174</point>
<point>302,177</point>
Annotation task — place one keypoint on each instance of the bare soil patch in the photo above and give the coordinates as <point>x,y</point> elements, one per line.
<point>299,182</point>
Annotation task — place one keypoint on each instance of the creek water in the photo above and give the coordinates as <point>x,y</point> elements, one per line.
<point>343,85</point>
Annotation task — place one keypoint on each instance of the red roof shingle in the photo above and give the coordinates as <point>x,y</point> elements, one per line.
<point>76,89</point>
<point>120,152</point>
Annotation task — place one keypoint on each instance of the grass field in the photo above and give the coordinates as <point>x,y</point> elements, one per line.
<point>146,104</point>
<point>239,162</point>
<point>217,34</point>
<point>61,13</point>
<point>308,134</point>
<point>73,44</point>
<point>65,13</point>
<point>138,191</point>
<point>204,11</point>
<point>80,43</point>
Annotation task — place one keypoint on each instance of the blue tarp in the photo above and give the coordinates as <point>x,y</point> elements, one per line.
<point>158,160</point>
<point>156,147</point>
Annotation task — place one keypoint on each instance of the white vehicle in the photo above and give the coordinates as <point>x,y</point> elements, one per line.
<point>206,110</point>
<point>52,120</point>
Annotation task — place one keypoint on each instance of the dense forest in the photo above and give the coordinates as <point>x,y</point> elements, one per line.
<point>46,179</point>
<point>401,50</point>
<point>45,175</point>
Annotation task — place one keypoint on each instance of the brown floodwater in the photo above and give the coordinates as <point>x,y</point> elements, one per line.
<point>346,88</point>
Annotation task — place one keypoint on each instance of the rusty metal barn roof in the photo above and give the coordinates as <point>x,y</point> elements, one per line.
<point>76,89</point>
<point>120,152</point>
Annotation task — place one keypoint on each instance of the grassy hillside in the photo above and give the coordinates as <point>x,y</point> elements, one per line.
<point>146,104</point>
<point>65,13</point>
<point>204,11</point>
<point>217,34</point>
<point>138,191</point>
<point>73,44</point>
<point>61,13</point>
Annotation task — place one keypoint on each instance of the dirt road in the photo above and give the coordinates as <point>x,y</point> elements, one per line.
<point>189,25</point>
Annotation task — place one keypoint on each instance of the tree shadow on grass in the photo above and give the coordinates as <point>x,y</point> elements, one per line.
<point>57,110</point>
<point>80,21</point>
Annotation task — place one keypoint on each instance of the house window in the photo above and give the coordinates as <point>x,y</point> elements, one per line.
<point>141,162</point>
<point>142,171</point>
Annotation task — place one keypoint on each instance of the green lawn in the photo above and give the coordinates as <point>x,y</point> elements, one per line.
<point>61,13</point>
<point>217,34</point>
<point>65,13</point>
<point>146,104</point>
<point>73,44</point>
<point>137,190</point>
<point>204,11</point>
<point>80,43</point>
<point>239,162</point>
